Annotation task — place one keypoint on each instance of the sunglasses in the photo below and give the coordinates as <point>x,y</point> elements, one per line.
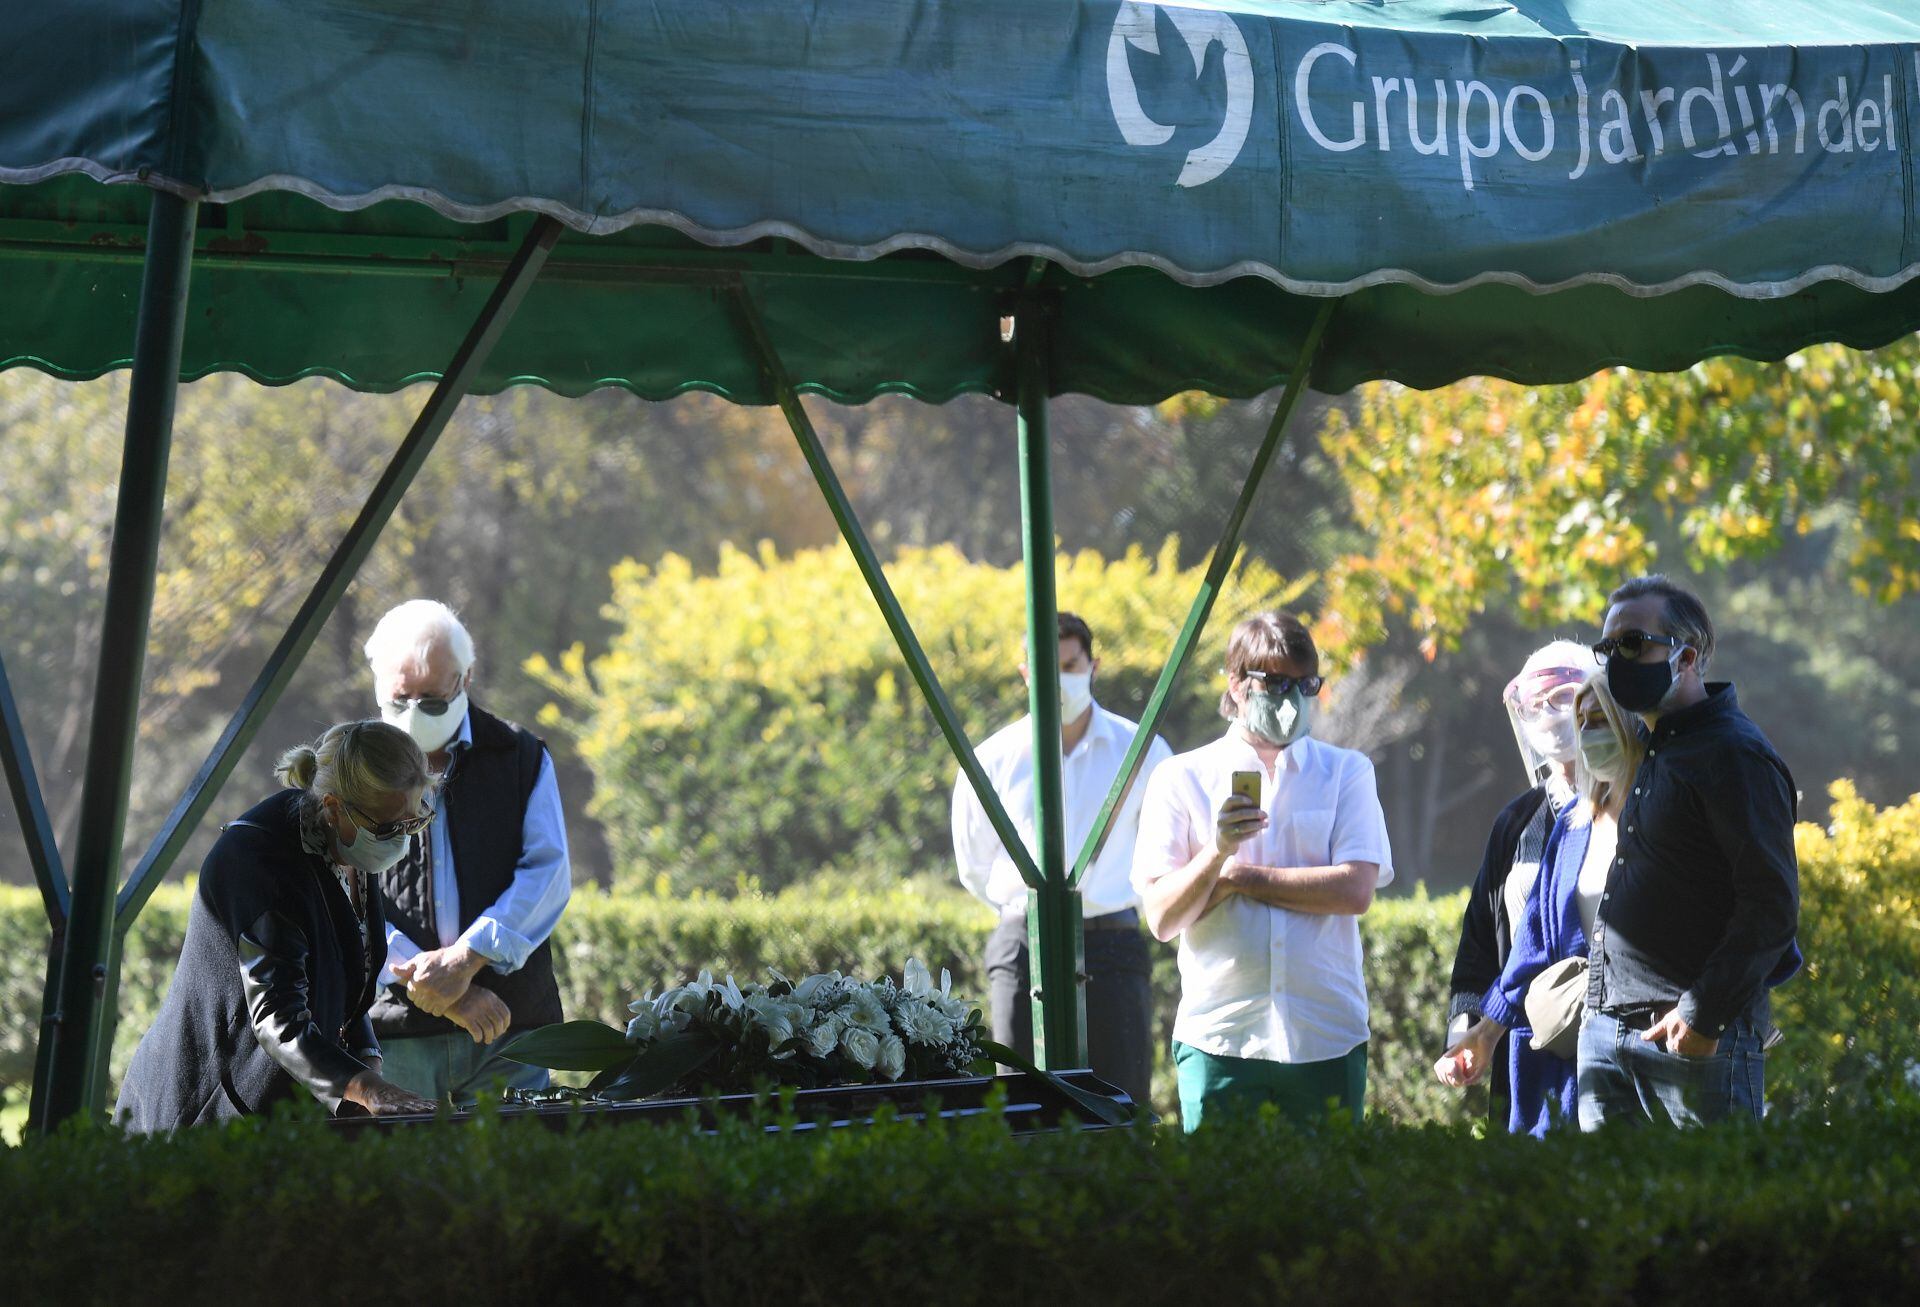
<point>431,705</point>
<point>386,830</point>
<point>1275,683</point>
<point>1631,644</point>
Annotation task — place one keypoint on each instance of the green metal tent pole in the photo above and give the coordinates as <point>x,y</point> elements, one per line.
<point>876,578</point>
<point>76,1080</point>
<point>49,1018</point>
<point>43,854</point>
<point>455,382</point>
<point>1210,585</point>
<point>1054,937</point>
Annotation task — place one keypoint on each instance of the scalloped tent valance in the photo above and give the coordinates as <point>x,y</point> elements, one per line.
<point>1531,190</point>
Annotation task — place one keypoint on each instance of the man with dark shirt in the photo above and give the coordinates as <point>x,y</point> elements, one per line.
<point>1698,918</point>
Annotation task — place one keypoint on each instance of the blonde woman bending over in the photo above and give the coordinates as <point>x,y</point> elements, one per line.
<point>284,945</point>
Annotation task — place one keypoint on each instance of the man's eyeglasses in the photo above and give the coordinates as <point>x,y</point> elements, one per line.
<point>1631,644</point>
<point>431,705</point>
<point>1275,683</point>
<point>386,830</point>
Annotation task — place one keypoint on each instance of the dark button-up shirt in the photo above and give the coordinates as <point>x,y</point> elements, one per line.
<point>1703,900</point>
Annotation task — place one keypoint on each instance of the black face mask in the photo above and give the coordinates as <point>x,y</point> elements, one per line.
<point>1639,687</point>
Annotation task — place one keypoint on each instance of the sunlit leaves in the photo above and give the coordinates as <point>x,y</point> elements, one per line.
<point>1538,500</point>
<point>759,717</point>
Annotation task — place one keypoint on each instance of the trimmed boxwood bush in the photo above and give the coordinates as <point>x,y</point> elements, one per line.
<point>498,1212</point>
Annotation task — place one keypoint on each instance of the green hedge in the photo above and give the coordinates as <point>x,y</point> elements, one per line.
<point>1790,1213</point>
<point>1852,1021</point>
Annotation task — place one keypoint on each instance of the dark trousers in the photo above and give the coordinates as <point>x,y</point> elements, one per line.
<point>1119,1001</point>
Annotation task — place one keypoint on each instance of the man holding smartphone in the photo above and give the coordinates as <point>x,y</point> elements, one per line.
<point>1093,743</point>
<point>1265,894</point>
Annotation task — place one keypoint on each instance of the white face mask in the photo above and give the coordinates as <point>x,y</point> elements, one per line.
<point>1602,756</point>
<point>1076,695</point>
<point>429,732</point>
<point>370,855</point>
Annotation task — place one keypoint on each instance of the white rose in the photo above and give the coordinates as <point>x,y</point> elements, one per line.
<point>893,1057</point>
<point>861,1046</point>
<point>865,1010</point>
<point>824,1038</point>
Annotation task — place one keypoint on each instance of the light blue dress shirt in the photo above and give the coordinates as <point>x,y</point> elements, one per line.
<point>515,924</point>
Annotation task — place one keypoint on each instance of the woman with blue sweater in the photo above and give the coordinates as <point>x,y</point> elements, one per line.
<point>1558,919</point>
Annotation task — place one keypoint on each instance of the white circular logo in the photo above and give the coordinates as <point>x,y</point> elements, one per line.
<point>1200,28</point>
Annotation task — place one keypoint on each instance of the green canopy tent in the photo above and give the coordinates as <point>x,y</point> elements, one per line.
<point>1016,197</point>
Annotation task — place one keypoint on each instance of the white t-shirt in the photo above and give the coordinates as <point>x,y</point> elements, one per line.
<point>1086,774</point>
<point>1259,981</point>
<point>1603,837</point>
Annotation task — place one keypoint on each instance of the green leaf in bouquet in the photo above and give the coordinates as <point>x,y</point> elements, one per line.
<point>609,1076</point>
<point>664,1065</point>
<point>570,1046</point>
<point>1103,1108</point>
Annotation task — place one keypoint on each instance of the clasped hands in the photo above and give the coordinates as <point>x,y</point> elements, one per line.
<point>440,983</point>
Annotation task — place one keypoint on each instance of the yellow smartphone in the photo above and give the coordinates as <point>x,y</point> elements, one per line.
<point>1247,783</point>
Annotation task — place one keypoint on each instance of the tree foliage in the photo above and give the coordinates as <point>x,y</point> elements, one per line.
<point>759,723</point>
<point>1538,500</point>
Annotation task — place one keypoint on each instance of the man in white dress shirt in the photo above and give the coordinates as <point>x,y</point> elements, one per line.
<point>1119,965</point>
<point>1265,898</point>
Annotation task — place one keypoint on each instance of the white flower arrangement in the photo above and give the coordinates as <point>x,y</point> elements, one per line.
<point>711,1036</point>
<point>818,1030</point>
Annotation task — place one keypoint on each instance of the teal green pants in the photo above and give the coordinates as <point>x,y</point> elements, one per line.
<point>1213,1087</point>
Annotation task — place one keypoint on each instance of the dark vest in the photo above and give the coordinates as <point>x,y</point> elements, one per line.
<point>483,800</point>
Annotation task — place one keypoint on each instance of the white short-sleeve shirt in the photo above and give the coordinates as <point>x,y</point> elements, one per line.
<point>1259,981</point>
<point>1086,774</point>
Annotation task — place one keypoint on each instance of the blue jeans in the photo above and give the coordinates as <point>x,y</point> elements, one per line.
<point>453,1066</point>
<point>1623,1077</point>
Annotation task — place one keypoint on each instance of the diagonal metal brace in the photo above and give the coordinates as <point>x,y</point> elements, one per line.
<point>274,677</point>
<point>42,852</point>
<point>876,578</point>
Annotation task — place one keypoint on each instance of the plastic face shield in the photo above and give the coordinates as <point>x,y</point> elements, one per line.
<point>1539,707</point>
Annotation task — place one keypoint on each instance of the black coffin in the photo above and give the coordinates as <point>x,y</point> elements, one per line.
<point>1033,1106</point>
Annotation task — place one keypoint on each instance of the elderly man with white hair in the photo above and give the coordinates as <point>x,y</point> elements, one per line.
<point>470,907</point>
